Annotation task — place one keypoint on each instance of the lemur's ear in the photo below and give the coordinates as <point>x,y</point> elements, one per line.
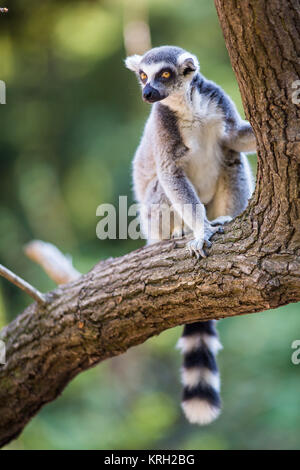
<point>188,63</point>
<point>133,62</point>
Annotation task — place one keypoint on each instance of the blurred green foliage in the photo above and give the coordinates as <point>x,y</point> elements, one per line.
<point>72,121</point>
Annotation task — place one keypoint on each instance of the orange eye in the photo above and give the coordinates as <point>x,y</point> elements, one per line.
<point>143,76</point>
<point>166,74</point>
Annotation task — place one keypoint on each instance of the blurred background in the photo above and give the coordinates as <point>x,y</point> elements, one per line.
<point>72,121</point>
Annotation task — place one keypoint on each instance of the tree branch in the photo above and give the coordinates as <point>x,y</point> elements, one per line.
<point>25,286</point>
<point>58,266</point>
<point>254,266</point>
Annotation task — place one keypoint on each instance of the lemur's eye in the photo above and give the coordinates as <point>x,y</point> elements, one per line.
<point>143,76</point>
<point>166,74</point>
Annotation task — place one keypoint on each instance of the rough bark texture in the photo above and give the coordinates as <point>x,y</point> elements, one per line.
<point>253,267</point>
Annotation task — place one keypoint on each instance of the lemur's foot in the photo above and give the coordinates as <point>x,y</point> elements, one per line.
<point>223,219</point>
<point>196,246</point>
<point>178,232</point>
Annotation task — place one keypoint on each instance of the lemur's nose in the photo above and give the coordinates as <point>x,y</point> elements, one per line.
<point>151,94</point>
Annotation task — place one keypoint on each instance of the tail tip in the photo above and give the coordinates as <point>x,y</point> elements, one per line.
<point>199,411</point>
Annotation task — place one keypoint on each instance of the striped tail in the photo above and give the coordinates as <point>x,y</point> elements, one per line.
<point>199,344</point>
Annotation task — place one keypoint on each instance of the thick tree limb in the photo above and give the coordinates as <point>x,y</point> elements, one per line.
<point>254,266</point>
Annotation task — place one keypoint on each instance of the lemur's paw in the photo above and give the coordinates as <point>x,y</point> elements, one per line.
<point>196,247</point>
<point>210,230</point>
<point>178,232</point>
<point>223,219</point>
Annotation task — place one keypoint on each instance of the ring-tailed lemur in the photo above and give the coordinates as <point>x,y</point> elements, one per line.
<point>190,157</point>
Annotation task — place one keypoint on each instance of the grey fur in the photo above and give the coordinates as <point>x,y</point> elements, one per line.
<point>168,54</point>
<point>189,153</point>
<point>190,156</point>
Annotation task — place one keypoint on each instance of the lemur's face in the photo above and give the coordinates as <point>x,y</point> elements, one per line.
<point>163,71</point>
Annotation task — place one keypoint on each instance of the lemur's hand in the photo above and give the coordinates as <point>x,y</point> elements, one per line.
<point>223,219</point>
<point>178,232</point>
<point>196,246</point>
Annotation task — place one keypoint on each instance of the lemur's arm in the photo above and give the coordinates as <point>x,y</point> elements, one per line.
<point>169,150</point>
<point>238,135</point>
<point>181,193</point>
<point>241,138</point>
<point>186,203</point>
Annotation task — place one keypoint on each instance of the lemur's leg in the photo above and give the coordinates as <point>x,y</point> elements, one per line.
<point>241,138</point>
<point>185,201</point>
<point>234,188</point>
<point>159,221</point>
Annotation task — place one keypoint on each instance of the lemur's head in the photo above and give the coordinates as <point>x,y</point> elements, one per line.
<point>163,71</point>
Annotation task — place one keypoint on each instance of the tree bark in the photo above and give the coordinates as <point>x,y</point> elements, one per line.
<point>254,266</point>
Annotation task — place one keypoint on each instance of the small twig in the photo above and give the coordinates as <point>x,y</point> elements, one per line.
<point>3,10</point>
<point>58,266</point>
<point>18,281</point>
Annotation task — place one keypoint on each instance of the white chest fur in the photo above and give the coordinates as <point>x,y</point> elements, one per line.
<point>201,133</point>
